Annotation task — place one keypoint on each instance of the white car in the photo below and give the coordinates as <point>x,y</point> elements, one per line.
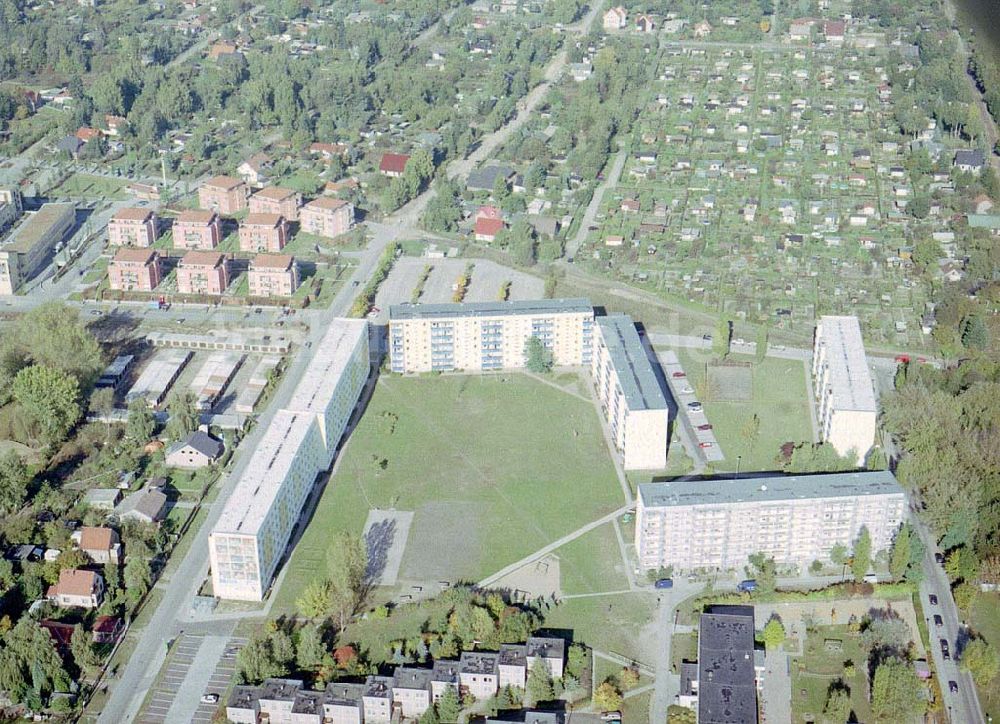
<point>687,390</point>
<point>209,698</point>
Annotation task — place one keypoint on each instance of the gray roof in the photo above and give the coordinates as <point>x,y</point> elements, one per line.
<point>727,691</point>
<point>512,654</point>
<point>147,503</point>
<point>378,686</point>
<point>478,662</point>
<point>689,675</point>
<point>308,702</point>
<point>489,309</point>
<point>280,689</point>
<point>244,697</point>
<point>340,693</point>
<point>484,178</point>
<point>200,441</point>
<point>545,647</point>
<point>446,671</point>
<point>767,489</point>
<point>638,381</point>
<point>969,157</point>
<point>532,717</point>
<point>409,677</point>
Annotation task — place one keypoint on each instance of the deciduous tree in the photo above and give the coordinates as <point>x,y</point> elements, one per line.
<point>50,398</point>
<point>862,559</point>
<point>980,658</point>
<point>896,692</point>
<point>346,562</point>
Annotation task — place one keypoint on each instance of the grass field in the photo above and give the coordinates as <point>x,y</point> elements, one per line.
<point>88,186</point>
<point>489,477</point>
<point>780,401</point>
<point>817,668</point>
<point>986,622</point>
<point>592,563</point>
<point>623,624</point>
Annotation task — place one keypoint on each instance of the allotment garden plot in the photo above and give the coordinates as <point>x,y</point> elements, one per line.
<point>764,185</point>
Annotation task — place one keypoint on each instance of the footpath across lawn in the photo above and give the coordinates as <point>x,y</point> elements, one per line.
<point>494,467</point>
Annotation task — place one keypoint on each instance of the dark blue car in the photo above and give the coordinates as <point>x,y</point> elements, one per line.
<point>747,586</point>
<point>665,583</point>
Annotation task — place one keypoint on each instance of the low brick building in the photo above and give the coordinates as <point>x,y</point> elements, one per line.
<point>276,200</point>
<point>135,270</point>
<point>132,227</point>
<point>273,275</point>
<point>263,233</point>
<point>327,217</point>
<point>203,272</point>
<point>197,230</point>
<point>224,194</point>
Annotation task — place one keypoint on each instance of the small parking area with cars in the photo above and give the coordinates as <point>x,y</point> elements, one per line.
<point>690,411</point>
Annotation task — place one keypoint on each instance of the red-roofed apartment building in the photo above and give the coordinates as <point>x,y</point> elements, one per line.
<point>203,272</point>
<point>487,229</point>
<point>273,275</point>
<point>393,164</point>
<point>275,200</point>
<point>84,589</point>
<point>132,227</point>
<point>135,270</point>
<point>263,232</point>
<point>224,194</point>
<point>197,230</point>
<point>327,217</point>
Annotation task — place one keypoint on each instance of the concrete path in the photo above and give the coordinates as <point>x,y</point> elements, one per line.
<point>595,204</point>
<point>776,695</point>
<point>506,570</point>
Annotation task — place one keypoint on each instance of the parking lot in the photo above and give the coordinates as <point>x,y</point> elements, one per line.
<point>694,418</point>
<point>219,681</point>
<point>185,679</point>
<point>185,649</point>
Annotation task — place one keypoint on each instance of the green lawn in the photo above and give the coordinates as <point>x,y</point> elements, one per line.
<point>479,461</point>
<point>636,709</point>
<point>592,563</point>
<point>780,400</point>
<point>986,622</point>
<point>86,185</point>
<point>817,668</point>
<point>623,624</point>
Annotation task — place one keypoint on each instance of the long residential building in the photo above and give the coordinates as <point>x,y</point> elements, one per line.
<point>727,676</point>
<point>716,524</point>
<point>844,392</point>
<point>31,243</point>
<point>477,336</point>
<point>630,394</point>
<point>247,542</point>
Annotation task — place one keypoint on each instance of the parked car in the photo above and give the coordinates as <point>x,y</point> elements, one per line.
<point>704,427</point>
<point>933,599</point>
<point>687,390</point>
<point>694,406</point>
<point>209,698</point>
<point>707,337</point>
<point>939,558</point>
<point>665,583</point>
<point>611,716</point>
<point>747,586</point>
<point>938,621</point>
<point>945,653</point>
<point>953,687</point>
<point>678,375</point>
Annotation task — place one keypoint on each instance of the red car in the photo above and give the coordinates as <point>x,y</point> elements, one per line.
<point>704,427</point>
<point>902,358</point>
<point>678,375</point>
<point>704,444</point>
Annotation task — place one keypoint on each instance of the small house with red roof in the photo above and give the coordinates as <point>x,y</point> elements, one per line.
<point>488,229</point>
<point>393,164</point>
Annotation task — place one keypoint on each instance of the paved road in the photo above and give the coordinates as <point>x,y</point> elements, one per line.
<point>963,707</point>
<point>175,608</point>
<point>595,204</point>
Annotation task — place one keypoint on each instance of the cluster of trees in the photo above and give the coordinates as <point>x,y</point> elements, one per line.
<point>416,176</point>
<point>48,363</point>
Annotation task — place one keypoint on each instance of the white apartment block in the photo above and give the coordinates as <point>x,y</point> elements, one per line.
<point>251,534</point>
<point>478,336</point>
<point>630,394</point>
<point>844,393</point>
<point>717,524</point>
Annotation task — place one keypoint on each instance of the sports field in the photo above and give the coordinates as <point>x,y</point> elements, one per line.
<point>492,467</point>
